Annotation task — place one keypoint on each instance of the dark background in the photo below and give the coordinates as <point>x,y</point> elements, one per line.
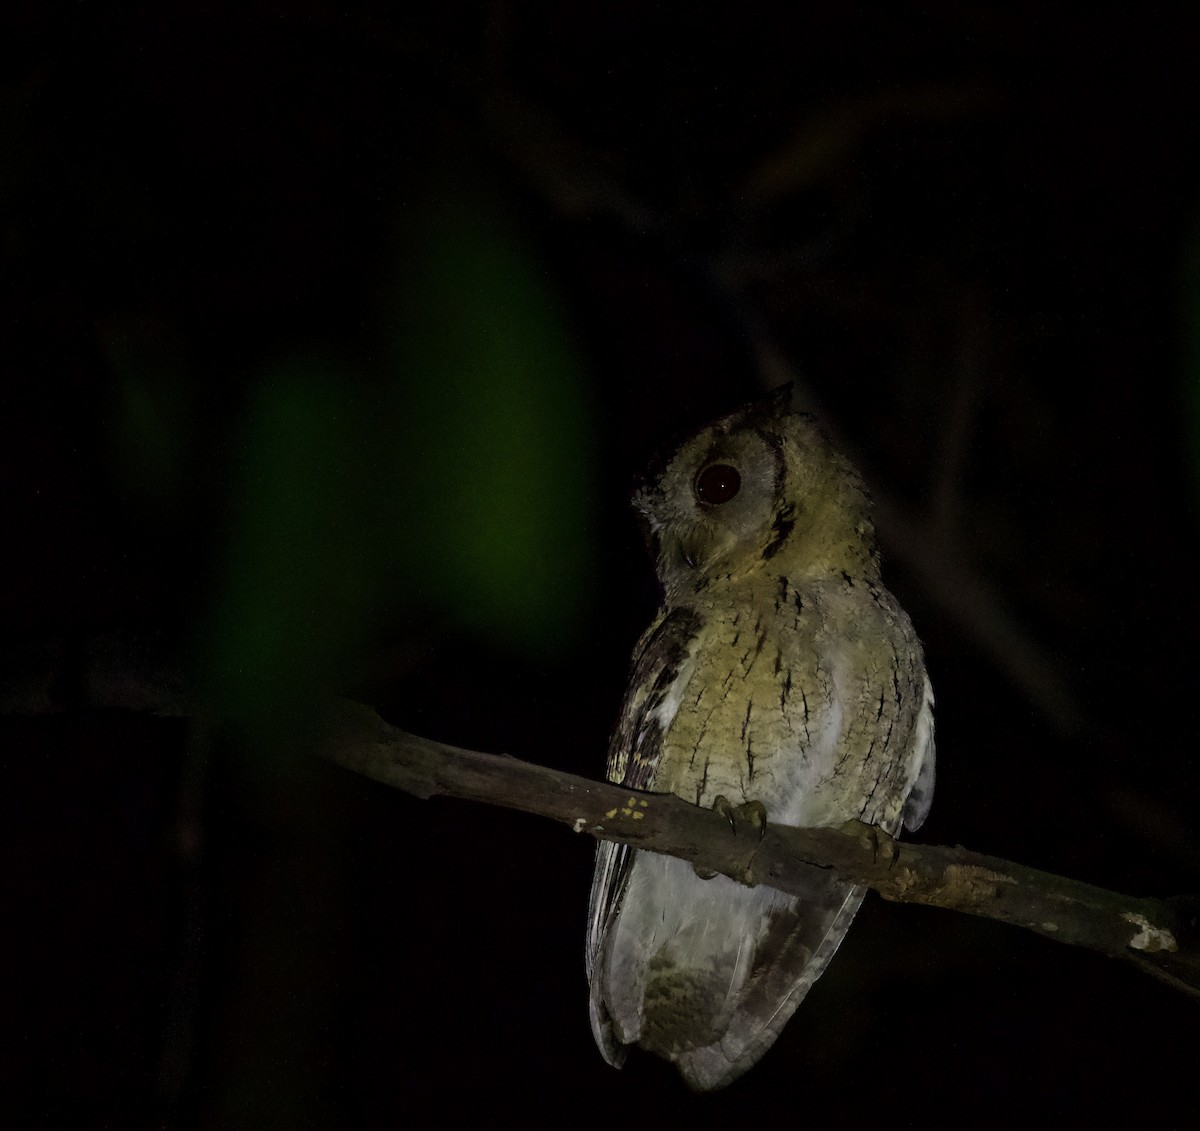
<point>332,340</point>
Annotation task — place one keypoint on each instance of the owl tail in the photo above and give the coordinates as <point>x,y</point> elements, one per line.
<point>706,972</point>
<point>778,982</point>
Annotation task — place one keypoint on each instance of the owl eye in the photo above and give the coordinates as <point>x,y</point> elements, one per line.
<point>717,483</point>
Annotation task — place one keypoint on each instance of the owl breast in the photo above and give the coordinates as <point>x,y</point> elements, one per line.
<point>806,699</point>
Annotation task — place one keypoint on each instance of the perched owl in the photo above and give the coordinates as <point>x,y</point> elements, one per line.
<point>779,670</point>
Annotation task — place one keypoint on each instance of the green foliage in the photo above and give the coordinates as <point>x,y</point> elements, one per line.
<point>452,485</point>
<point>492,459</point>
<point>302,566</point>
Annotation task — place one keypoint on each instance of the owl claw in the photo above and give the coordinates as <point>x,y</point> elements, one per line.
<point>879,843</point>
<point>723,806</point>
<point>753,813</point>
<point>756,813</point>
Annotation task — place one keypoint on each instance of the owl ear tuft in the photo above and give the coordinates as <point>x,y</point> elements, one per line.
<point>774,406</point>
<point>779,400</point>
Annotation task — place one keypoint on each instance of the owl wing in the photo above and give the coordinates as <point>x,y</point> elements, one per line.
<point>916,807</point>
<point>659,658</point>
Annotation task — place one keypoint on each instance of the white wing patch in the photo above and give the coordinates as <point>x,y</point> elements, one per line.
<point>664,714</point>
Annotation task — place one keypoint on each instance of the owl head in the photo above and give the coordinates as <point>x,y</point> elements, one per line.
<point>760,490</point>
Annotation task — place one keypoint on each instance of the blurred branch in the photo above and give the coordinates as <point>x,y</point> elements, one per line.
<point>967,597</point>
<point>827,139</point>
<point>1159,936</point>
<point>960,414</point>
<point>576,181</point>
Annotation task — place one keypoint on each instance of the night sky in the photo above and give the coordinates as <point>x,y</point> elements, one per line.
<point>333,340</point>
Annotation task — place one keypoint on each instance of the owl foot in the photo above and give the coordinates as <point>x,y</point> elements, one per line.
<point>877,841</point>
<point>752,813</point>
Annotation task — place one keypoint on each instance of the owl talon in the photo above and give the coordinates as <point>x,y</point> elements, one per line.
<point>724,806</point>
<point>754,813</point>
<point>879,843</point>
<point>890,849</point>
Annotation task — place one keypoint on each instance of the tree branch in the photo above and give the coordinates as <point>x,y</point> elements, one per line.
<point>1159,936</point>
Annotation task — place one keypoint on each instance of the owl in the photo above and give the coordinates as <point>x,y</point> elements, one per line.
<point>778,675</point>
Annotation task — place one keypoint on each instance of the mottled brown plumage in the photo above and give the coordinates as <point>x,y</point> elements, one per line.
<point>778,670</point>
